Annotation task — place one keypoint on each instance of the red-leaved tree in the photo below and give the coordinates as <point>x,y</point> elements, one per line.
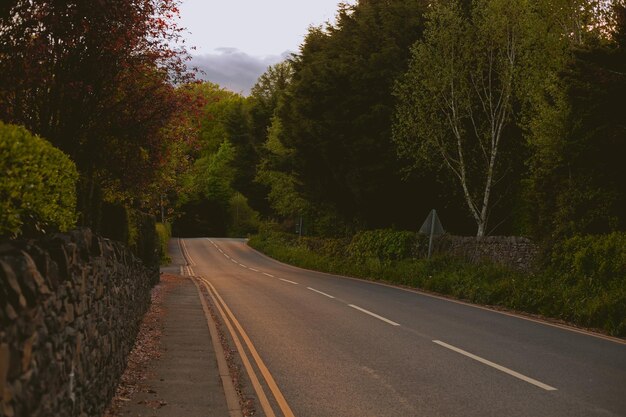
<point>96,78</point>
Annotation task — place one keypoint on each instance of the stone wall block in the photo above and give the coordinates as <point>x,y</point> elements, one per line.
<point>516,252</point>
<point>13,290</point>
<point>5,359</point>
<point>29,278</point>
<point>69,308</point>
<point>58,257</point>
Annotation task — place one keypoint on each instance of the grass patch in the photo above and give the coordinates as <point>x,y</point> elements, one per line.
<point>569,288</point>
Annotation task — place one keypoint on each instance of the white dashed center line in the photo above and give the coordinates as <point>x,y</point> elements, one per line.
<point>496,366</point>
<point>320,292</point>
<point>393,323</point>
<point>269,275</point>
<point>290,282</point>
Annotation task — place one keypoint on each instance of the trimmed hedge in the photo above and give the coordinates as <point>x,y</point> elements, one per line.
<point>37,187</point>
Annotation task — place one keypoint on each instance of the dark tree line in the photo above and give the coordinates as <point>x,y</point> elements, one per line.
<point>579,187</point>
<point>349,133</point>
<point>329,155</point>
<point>500,114</point>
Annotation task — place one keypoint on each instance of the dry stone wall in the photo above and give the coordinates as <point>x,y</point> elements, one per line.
<point>515,252</point>
<point>70,308</point>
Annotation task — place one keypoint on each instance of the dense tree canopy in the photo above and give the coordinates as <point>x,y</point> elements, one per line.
<point>456,100</point>
<point>576,182</point>
<point>337,113</point>
<point>97,81</point>
<point>506,116</point>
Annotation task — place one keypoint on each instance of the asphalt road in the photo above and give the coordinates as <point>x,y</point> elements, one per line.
<point>341,347</point>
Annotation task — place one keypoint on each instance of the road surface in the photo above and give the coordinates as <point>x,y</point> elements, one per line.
<point>341,347</point>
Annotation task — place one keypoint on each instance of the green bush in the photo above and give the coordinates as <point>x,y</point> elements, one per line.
<point>589,275</point>
<point>164,232</point>
<point>596,259</point>
<point>38,184</point>
<point>244,220</point>
<point>383,244</point>
<point>143,240</point>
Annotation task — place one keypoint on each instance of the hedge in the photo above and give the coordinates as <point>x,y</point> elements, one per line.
<point>384,245</point>
<point>164,233</point>
<point>37,187</point>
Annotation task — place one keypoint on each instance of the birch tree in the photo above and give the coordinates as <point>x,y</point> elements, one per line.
<point>456,100</point>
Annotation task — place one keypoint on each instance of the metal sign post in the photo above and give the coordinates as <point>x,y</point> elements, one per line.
<point>432,226</point>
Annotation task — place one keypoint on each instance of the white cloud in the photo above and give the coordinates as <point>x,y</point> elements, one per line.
<point>233,69</point>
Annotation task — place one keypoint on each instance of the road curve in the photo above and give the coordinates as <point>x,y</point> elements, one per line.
<point>341,347</point>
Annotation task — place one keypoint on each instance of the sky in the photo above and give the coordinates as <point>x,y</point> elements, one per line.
<point>236,40</point>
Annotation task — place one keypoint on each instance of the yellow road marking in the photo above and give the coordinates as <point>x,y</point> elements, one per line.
<point>265,404</point>
<point>280,399</point>
<point>234,409</point>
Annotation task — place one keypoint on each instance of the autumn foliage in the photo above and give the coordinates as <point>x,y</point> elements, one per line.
<point>97,79</point>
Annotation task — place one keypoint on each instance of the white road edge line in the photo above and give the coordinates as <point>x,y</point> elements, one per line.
<point>393,323</point>
<point>320,292</point>
<point>286,280</point>
<point>269,275</point>
<point>496,366</point>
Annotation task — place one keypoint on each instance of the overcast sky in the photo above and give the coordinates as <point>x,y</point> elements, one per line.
<point>237,40</point>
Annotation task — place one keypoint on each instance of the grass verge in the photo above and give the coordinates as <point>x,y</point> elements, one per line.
<point>555,292</point>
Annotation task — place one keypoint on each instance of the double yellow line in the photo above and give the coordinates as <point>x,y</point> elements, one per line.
<point>231,324</point>
<point>229,319</point>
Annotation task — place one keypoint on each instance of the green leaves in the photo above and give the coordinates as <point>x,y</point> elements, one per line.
<point>38,184</point>
<point>213,174</point>
<point>274,172</point>
<point>456,101</point>
<point>384,245</point>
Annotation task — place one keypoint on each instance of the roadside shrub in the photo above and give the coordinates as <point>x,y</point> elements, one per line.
<point>583,282</point>
<point>383,244</point>
<point>37,187</point>
<point>164,232</point>
<point>244,220</point>
<point>325,246</point>
<point>143,239</point>
<point>589,274</point>
<point>596,259</point>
